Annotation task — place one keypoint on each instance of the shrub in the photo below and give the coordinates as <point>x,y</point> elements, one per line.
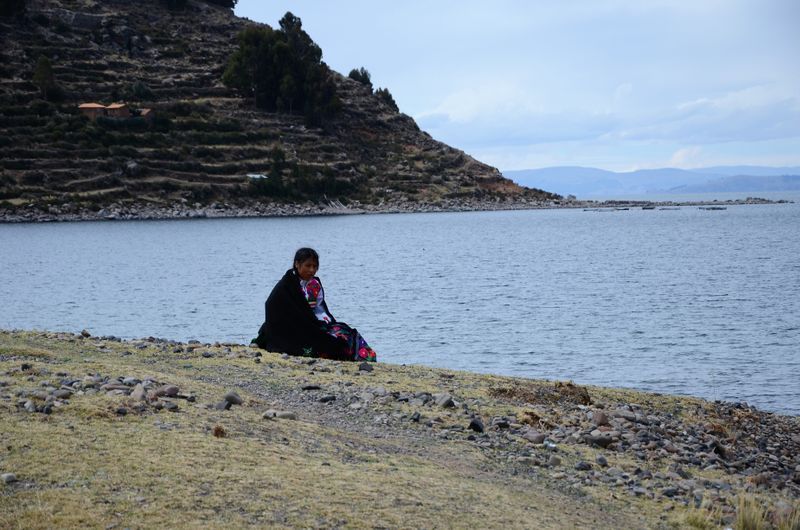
<point>362,76</point>
<point>187,108</point>
<point>42,108</point>
<point>175,5</point>
<point>282,70</point>
<point>230,4</point>
<point>202,193</point>
<point>10,8</point>
<point>44,79</point>
<point>123,124</point>
<point>750,514</point>
<point>33,178</point>
<point>123,151</point>
<point>386,96</point>
<point>161,123</point>
<point>206,152</point>
<point>139,91</point>
<point>41,19</point>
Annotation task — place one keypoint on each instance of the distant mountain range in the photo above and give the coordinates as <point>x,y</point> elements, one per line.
<point>586,182</point>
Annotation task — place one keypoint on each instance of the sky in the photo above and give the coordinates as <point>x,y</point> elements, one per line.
<point>614,84</point>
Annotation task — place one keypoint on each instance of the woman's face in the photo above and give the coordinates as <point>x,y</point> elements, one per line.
<point>307,269</point>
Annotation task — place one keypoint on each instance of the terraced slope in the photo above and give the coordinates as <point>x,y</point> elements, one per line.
<point>205,139</point>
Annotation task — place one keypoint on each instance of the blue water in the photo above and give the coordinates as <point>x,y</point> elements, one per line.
<point>696,302</point>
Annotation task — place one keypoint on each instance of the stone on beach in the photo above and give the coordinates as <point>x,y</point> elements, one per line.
<point>476,425</point>
<point>599,418</point>
<point>280,414</point>
<point>233,398</point>
<point>444,400</point>
<point>166,391</point>
<point>534,436</point>
<point>365,367</point>
<point>139,393</point>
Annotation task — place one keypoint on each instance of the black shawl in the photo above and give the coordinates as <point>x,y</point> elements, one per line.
<point>290,325</point>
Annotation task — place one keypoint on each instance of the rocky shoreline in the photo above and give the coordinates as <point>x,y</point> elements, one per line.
<point>677,457</point>
<point>70,212</point>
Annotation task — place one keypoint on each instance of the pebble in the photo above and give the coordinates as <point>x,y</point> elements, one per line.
<point>599,440</point>
<point>233,398</point>
<point>554,461</point>
<point>222,405</point>
<point>599,418</point>
<point>501,423</point>
<point>138,393</point>
<point>121,411</point>
<point>280,414</point>
<point>8,478</point>
<point>62,393</point>
<point>669,492</point>
<point>30,406</point>
<point>365,367</point>
<point>171,406</point>
<point>534,437</point>
<point>110,387</point>
<point>476,425</point>
<point>167,391</point>
<point>444,400</point>
<point>310,387</point>
<point>583,466</point>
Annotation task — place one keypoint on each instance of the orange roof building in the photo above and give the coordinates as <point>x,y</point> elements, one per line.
<point>92,110</point>
<point>118,110</point>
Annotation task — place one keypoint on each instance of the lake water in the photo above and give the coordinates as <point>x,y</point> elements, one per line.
<point>686,301</point>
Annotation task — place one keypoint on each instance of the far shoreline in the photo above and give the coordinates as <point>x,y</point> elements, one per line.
<point>145,212</point>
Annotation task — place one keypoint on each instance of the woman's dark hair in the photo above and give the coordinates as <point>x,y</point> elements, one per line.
<point>305,254</point>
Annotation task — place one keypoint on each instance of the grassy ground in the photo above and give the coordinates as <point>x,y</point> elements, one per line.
<point>85,465</point>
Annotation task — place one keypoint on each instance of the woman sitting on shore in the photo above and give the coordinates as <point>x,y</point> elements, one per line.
<point>298,322</point>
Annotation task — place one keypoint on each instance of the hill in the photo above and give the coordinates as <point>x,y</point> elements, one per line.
<point>591,182</point>
<point>743,183</point>
<point>203,142</point>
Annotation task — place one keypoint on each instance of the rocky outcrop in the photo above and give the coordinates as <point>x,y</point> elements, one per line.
<point>206,143</point>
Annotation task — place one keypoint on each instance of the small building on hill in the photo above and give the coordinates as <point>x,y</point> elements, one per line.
<point>92,110</point>
<point>118,110</point>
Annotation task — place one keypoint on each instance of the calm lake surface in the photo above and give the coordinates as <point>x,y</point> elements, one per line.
<point>685,301</point>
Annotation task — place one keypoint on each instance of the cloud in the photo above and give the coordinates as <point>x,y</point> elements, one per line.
<point>754,114</point>
<point>494,114</point>
<point>686,157</point>
<point>583,82</point>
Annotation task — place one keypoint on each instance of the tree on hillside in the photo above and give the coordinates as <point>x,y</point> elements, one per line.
<point>386,97</point>
<point>175,5</point>
<point>282,70</point>
<point>44,79</point>
<point>362,76</point>
<point>224,3</point>
<point>10,8</point>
